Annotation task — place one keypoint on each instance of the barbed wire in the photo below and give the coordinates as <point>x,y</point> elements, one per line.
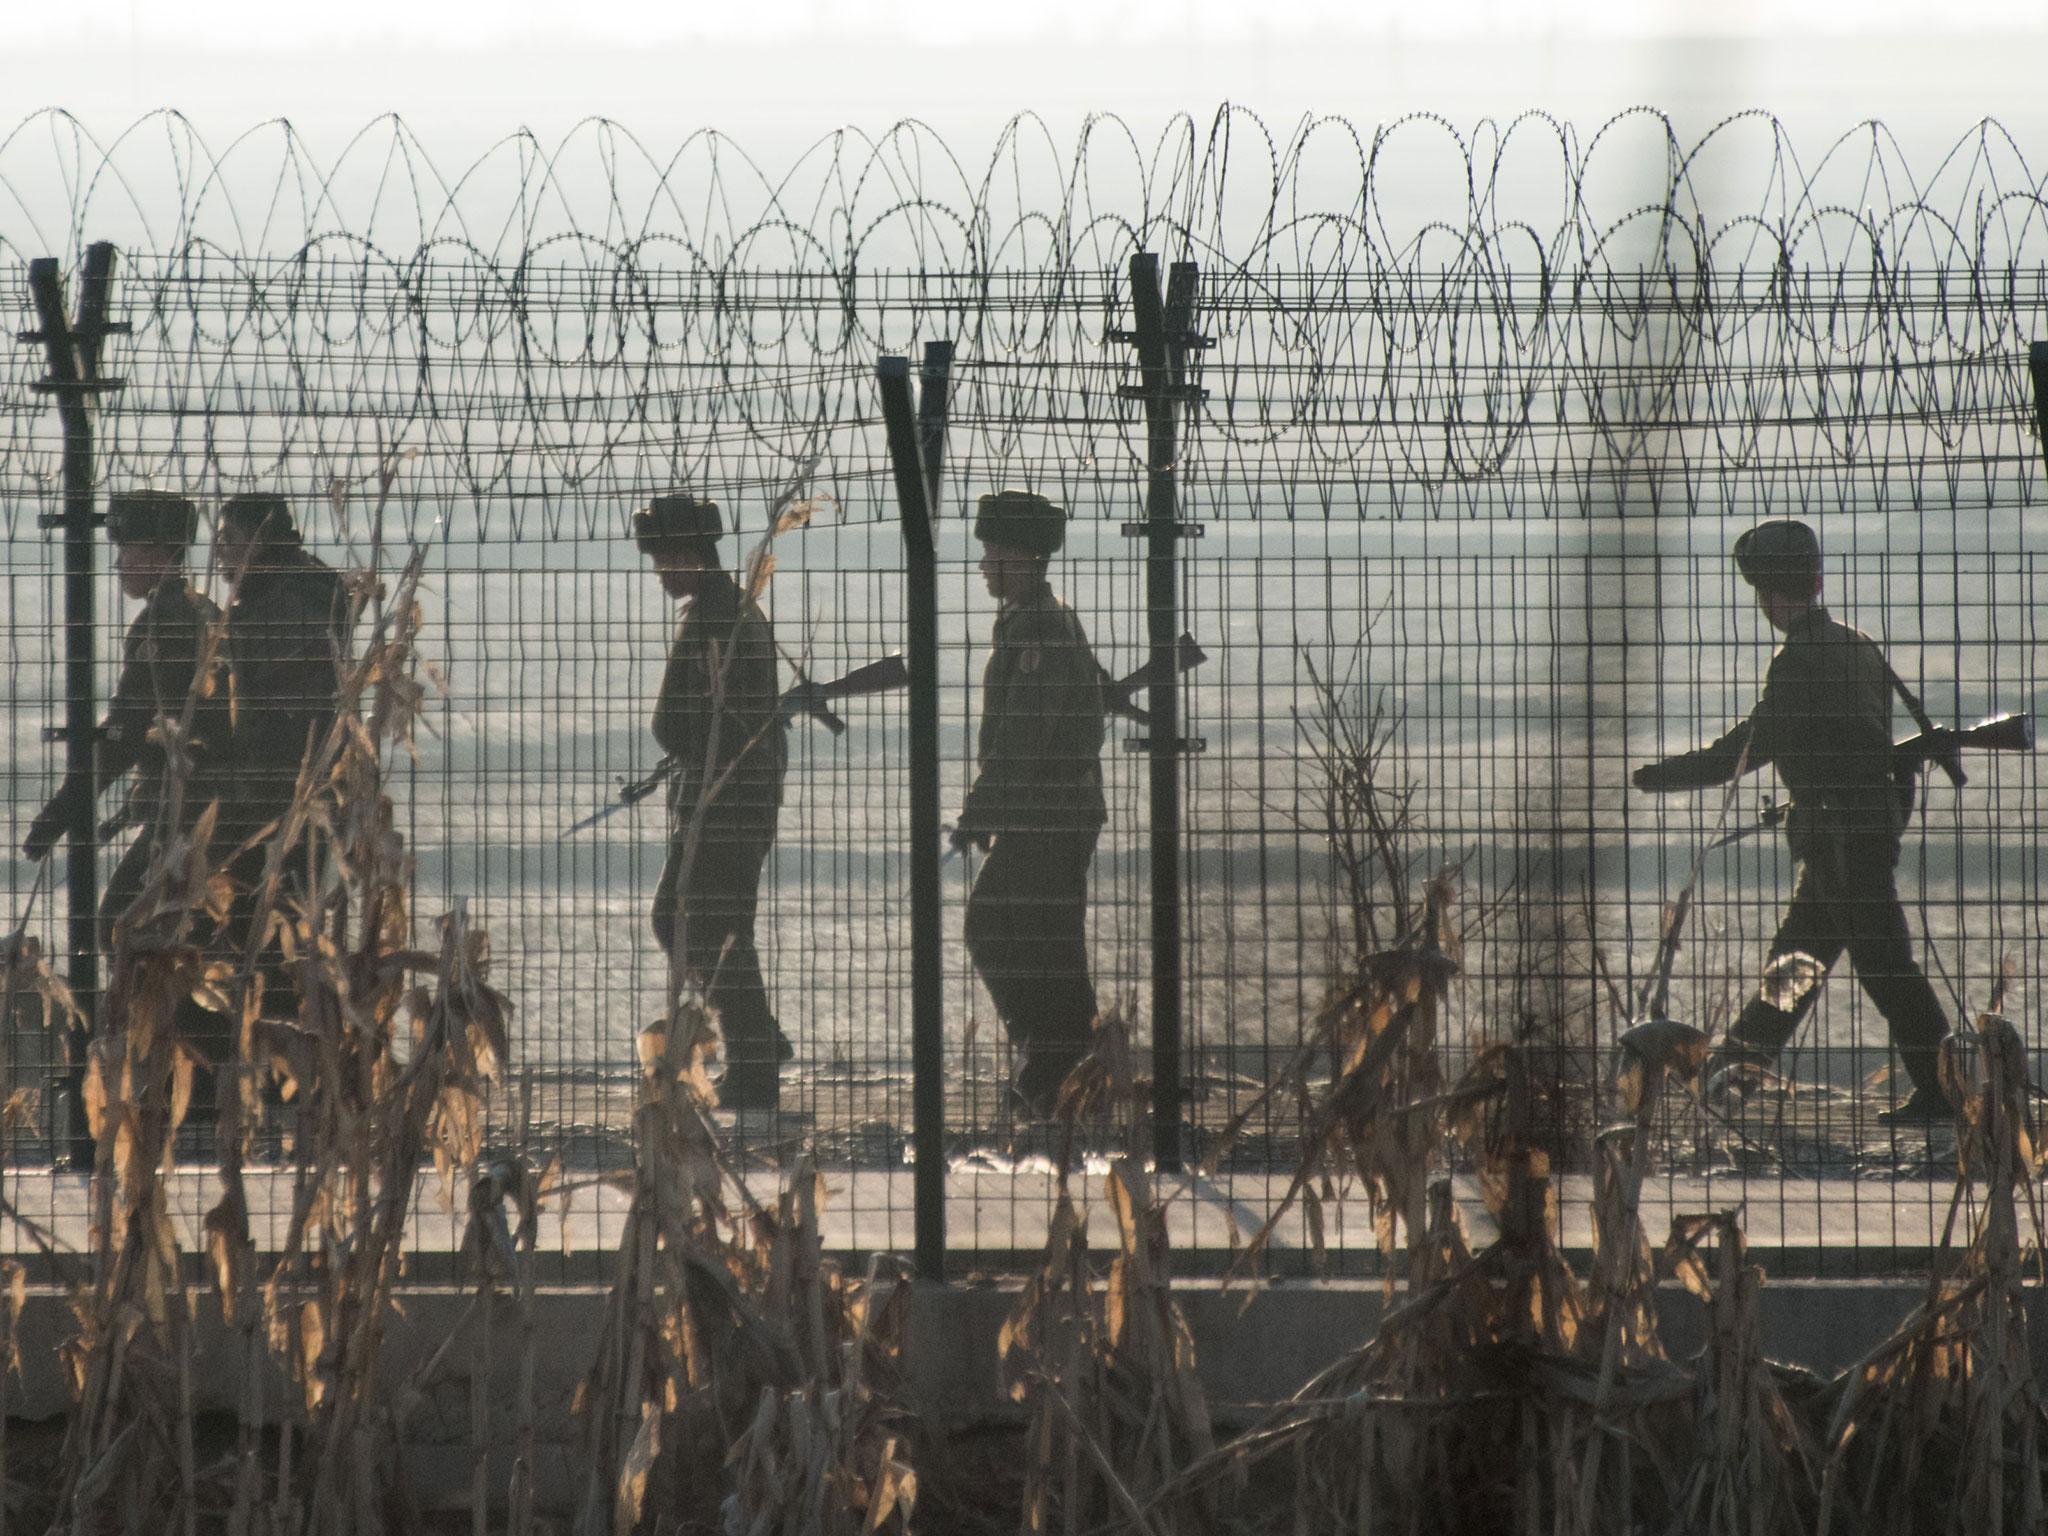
<point>1516,321</point>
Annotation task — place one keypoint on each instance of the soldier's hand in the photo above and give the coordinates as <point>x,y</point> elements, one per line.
<point>1648,779</point>
<point>44,831</point>
<point>964,838</point>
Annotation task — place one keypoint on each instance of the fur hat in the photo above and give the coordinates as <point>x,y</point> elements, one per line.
<point>1779,556</point>
<point>152,517</point>
<point>1021,519</point>
<point>677,518</point>
<point>260,511</point>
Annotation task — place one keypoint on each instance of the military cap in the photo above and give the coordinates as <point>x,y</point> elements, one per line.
<point>152,517</point>
<point>1021,519</point>
<point>264,510</point>
<point>1781,556</point>
<point>675,519</point>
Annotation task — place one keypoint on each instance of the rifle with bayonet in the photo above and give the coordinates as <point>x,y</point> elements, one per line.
<point>1941,747</point>
<point>808,698</point>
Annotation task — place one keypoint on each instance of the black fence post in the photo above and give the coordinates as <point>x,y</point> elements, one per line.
<point>917,439</point>
<point>1164,335</point>
<point>75,380</point>
<point>2037,366</point>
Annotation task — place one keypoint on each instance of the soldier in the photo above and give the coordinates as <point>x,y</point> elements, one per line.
<point>151,531</point>
<point>719,719</point>
<point>288,622</point>
<point>1037,805</point>
<point>287,629</point>
<point>1825,721</point>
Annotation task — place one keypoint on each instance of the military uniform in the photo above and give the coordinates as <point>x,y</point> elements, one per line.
<point>287,628</point>
<point>718,717</point>
<point>288,625</point>
<point>1825,723</point>
<point>159,665</point>
<point>1037,805</point>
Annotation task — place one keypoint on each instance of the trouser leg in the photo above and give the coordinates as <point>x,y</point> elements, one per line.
<point>1847,899</point>
<point>123,886</point>
<point>708,914</point>
<point>206,1031</point>
<point>1881,948</point>
<point>1026,933</point>
<point>667,891</point>
<point>1810,927</point>
<point>246,875</point>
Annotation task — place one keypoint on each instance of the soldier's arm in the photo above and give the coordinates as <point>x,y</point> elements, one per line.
<point>682,708</point>
<point>1055,718</point>
<point>1704,767</point>
<point>156,676</point>
<point>749,700</point>
<point>1753,744</point>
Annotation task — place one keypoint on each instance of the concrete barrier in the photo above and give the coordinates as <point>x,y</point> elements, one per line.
<point>1254,1347</point>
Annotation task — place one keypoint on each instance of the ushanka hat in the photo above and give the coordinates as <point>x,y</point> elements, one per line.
<point>152,517</point>
<point>1021,519</point>
<point>675,519</point>
<point>260,511</point>
<point>1779,556</point>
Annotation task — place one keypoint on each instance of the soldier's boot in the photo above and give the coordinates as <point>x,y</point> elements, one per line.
<point>755,1050</point>
<point>1037,1088</point>
<point>1918,1025</point>
<point>750,1085</point>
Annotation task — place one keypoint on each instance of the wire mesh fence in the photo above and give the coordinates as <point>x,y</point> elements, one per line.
<point>1478,421</point>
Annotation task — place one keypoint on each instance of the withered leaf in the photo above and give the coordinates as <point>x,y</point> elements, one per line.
<point>634,1471</point>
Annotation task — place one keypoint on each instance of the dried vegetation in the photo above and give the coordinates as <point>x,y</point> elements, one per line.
<point>745,1383</point>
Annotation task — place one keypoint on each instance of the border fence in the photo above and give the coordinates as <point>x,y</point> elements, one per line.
<point>1434,443</point>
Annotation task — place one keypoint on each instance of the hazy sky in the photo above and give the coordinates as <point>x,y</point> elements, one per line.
<point>777,73</point>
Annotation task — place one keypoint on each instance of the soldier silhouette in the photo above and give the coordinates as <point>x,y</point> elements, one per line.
<point>1825,723</point>
<point>151,532</point>
<point>1036,805</point>
<point>719,718</point>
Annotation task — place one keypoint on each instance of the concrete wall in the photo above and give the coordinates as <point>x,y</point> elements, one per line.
<point>1254,1347</point>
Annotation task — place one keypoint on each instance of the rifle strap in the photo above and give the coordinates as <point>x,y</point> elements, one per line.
<point>1950,763</point>
<point>1910,700</point>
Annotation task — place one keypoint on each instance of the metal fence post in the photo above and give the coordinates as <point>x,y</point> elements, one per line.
<point>917,437</point>
<point>2037,367</point>
<point>1164,335</point>
<point>74,380</point>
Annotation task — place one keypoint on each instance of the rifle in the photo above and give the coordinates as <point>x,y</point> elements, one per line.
<point>1942,746</point>
<point>1121,694</point>
<point>814,698</point>
<point>806,698</point>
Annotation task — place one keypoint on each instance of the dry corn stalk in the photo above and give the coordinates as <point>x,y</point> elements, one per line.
<point>376,1073</point>
<point>1116,1407</point>
<point>685,1349</point>
<point>1941,1429</point>
<point>1381,1119</point>
<point>129,1448</point>
<point>28,975</point>
<point>1752,1471</point>
<point>831,1456</point>
<point>1621,1305</point>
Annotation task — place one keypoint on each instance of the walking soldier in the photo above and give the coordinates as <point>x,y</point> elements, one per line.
<point>719,717</point>
<point>160,671</point>
<point>287,629</point>
<point>1036,805</point>
<point>1825,721</point>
